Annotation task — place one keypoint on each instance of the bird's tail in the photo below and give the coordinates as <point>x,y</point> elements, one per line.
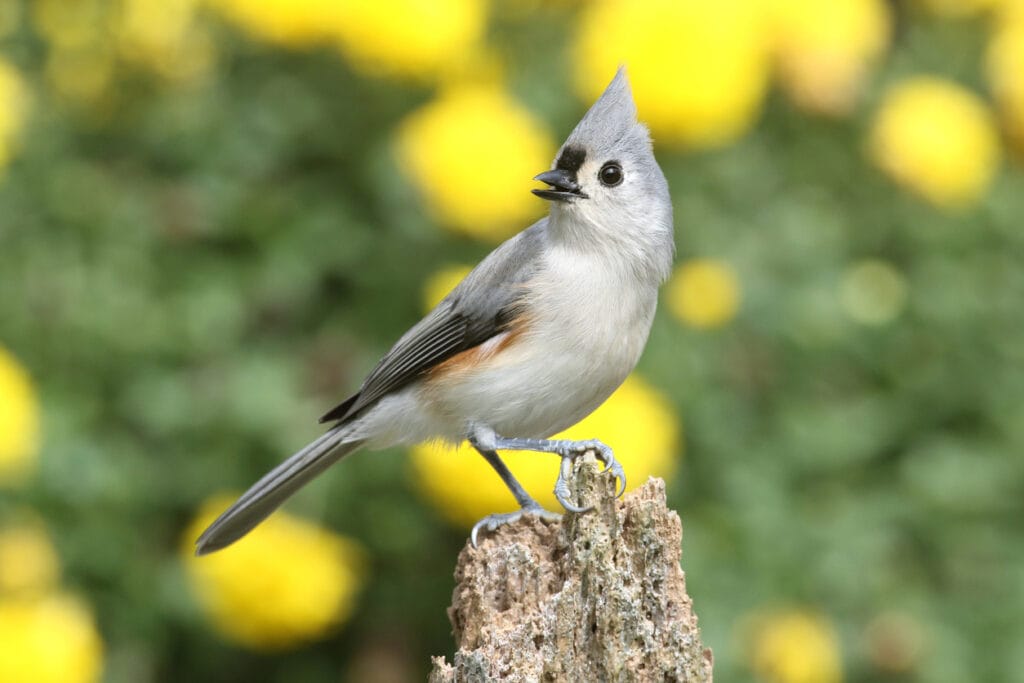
<point>275,488</point>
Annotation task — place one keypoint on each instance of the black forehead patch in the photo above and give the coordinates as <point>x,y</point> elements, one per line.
<point>571,158</point>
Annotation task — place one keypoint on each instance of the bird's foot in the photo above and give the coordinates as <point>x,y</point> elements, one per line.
<point>491,523</point>
<point>569,451</point>
<point>485,440</point>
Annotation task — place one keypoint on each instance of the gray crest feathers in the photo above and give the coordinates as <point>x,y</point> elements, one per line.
<point>612,117</point>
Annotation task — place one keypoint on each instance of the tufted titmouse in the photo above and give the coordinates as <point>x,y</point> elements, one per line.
<point>534,339</point>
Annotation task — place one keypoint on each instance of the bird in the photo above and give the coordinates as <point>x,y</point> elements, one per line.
<point>537,336</point>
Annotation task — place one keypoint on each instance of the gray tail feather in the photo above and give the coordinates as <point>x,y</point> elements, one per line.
<point>275,488</point>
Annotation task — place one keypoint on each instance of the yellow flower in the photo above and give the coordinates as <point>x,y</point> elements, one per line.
<point>441,283</point>
<point>81,75</point>
<point>79,63</point>
<point>795,647</point>
<point>292,23</point>
<point>28,561</point>
<point>71,24</point>
<point>699,69</point>
<point>823,49</point>
<point>937,139</point>
<point>164,35</point>
<point>704,293</point>
<point>13,109</point>
<point>413,38</point>
<point>637,422</point>
<point>287,582</point>
<point>49,639</point>
<point>471,153</point>
<point>873,292</point>
<point>408,38</point>
<point>19,421</point>
<point>1005,66</point>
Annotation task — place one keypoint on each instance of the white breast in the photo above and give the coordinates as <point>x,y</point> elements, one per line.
<point>588,323</point>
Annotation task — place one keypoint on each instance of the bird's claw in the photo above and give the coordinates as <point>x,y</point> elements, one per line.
<point>491,523</point>
<point>573,450</point>
<point>605,455</point>
<point>562,491</point>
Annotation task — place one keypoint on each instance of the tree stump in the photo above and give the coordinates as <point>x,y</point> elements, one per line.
<point>598,597</point>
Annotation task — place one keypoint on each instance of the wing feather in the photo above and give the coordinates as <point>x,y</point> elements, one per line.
<point>479,308</point>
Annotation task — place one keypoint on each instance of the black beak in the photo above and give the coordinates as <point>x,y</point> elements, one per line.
<point>564,183</point>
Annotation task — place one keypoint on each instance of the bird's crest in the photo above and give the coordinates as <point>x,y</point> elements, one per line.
<point>610,118</point>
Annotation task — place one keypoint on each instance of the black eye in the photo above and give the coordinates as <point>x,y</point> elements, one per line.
<point>610,174</point>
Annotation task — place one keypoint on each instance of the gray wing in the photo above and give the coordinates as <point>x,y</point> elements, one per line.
<point>480,307</point>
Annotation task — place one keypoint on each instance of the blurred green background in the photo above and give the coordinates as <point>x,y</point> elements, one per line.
<point>215,215</point>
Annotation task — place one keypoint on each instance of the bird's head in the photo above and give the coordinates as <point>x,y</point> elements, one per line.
<point>605,176</point>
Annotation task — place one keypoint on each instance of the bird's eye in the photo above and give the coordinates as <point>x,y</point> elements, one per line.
<point>610,174</point>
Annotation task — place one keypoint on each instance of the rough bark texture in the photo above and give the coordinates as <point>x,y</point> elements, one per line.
<point>598,597</point>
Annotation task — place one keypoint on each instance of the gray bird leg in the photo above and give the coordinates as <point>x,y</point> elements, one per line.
<point>527,505</point>
<point>487,442</point>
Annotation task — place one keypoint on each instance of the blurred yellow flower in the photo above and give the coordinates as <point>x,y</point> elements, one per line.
<point>292,23</point>
<point>164,36</point>
<point>81,75</point>
<point>414,38</point>
<point>71,24</point>
<point>1005,66</point>
<point>441,283</point>
<point>824,49</point>
<point>937,139</point>
<point>795,647</point>
<point>704,293</point>
<point>84,38</point>
<point>13,109</point>
<point>19,421</point>
<point>286,583</point>
<point>80,57</point>
<point>699,69</point>
<point>637,422</point>
<point>471,153</point>
<point>49,639</point>
<point>28,561</point>
<point>873,292</point>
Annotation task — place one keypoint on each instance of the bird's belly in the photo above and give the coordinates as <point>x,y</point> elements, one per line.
<point>540,380</point>
<point>527,391</point>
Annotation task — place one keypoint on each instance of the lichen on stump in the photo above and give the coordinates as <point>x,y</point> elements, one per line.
<point>599,597</point>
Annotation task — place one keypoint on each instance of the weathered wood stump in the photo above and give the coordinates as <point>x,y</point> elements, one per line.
<point>599,597</point>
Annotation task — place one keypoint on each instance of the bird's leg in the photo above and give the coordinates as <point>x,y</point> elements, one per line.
<point>527,505</point>
<point>485,439</point>
<point>569,451</point>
